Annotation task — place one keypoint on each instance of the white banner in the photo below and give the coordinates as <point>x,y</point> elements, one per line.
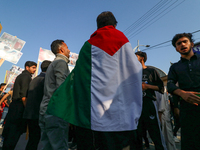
<point>45,54</point>
<point>10,47</point>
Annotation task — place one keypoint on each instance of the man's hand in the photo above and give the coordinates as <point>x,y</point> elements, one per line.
<point>24,101</point>
<point>144,86</point>
<point>190,97</point>
<point>176,113</point>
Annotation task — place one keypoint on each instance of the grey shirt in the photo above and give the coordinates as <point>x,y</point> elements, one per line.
<point>56,74</point>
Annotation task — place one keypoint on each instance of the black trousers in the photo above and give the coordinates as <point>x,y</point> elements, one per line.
<point>34,134</point>
<point>91,140</point>
<point>149,121</point>
<point>15,125</point>
<point>12,137</point>
<point>190,126</point>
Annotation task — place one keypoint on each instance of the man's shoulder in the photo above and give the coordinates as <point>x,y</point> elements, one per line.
<point>58,61</point>
<point>59,64</point>
<point>176,64</point>
<point>198,56</point>
<point>111,34</point>
<point>24,75</point>
<point>151,70</point>
<point>38,78</point>
<point>108,39</point>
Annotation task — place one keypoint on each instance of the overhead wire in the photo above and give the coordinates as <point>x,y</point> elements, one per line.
<point>159,47</point>
<point>167,42</point>
<point>151,13</point>
<point>148,18</point>
<point>150,22</point>
<point>146,15</point>
<point>139,18</point>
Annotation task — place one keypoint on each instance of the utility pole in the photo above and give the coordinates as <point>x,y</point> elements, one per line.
<point>137,47</point>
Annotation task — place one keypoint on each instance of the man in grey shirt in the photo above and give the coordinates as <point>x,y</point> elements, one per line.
<point>54,130</point>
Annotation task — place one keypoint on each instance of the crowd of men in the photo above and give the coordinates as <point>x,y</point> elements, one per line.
<point>110,99</point>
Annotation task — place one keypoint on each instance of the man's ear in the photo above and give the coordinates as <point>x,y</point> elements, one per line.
<point>27,68</point>
<point>142,59</point>
<point>192,44</point>
<point>60,50</point>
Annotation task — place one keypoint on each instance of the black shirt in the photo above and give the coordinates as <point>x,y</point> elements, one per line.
<point>34,98</point>
<point>186,73</point>
<point>21,85</point>
<point>150,76</point>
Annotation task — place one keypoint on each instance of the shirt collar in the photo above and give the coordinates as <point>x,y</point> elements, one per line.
<point>26,71</point>
<point>61,56</point>
<point>195,56</point>
<point>108,27</point>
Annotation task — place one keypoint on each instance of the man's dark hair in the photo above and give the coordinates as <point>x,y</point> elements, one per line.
<point>2,84</point>
<point>178,36</point>
<point>30,63</point>
<point>106,18</point>
<point>55,46</point>
<point>142,54</point>
<point>45,64</point>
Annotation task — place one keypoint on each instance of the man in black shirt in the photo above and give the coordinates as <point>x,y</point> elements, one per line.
<point>149,119</point>
<point>186,73</point>
<point>15,124</point>
<point>31,112</point>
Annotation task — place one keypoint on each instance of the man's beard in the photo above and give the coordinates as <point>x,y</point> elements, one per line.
<point>186,53</point>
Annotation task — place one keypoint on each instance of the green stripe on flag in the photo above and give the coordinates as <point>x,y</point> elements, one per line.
<point>72,100</point>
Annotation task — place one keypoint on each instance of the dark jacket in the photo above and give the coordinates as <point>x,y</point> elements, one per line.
<point>34,98</point>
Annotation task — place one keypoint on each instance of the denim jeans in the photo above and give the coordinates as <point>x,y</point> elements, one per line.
<point>54,132</point>
<point>5,111</point>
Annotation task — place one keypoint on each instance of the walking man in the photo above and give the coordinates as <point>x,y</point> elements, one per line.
<point>15,124</point>
<point>186,72</point>
<point>31,112</point>
<point>102,96</point>
<point>54,130</point>
<point>149,119</point>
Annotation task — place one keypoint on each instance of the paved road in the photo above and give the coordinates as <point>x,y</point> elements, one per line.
<point>22,143</point>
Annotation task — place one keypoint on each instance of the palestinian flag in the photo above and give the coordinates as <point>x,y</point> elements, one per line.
<point>104,91</point>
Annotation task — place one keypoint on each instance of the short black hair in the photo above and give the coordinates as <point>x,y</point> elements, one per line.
<point>142,54</point>
<point>30,63</point>
<point>45,64</point>
<point>2,84</point>
<point>55,46</point>
<point>106,18</point>
<point>180,35</point>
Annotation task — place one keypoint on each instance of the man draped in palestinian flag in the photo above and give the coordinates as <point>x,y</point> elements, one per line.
<point>103,94</point>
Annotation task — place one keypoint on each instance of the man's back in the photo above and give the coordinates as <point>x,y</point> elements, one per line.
<point>150,76</point>
<point>103,92</point>
<point>106,74</point>
<point>35,95</point>
<point>21,85</point>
